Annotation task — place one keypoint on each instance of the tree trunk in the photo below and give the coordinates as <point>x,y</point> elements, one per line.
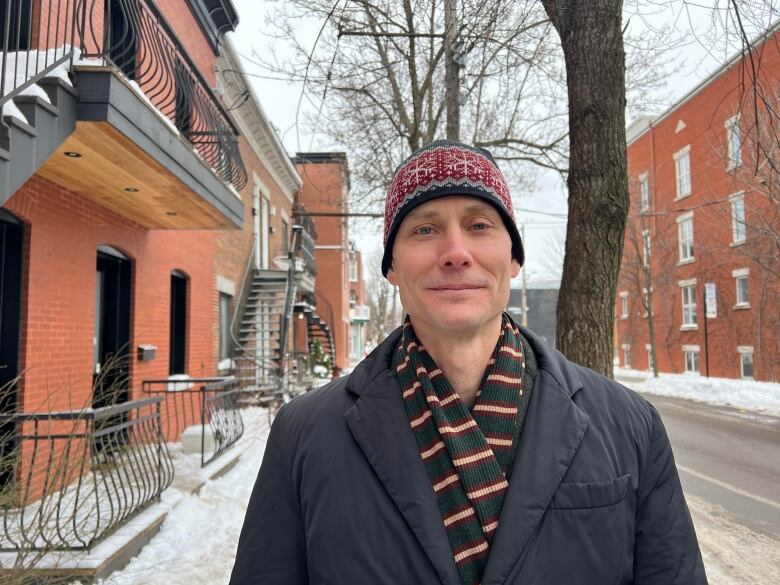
<point>592,41</point>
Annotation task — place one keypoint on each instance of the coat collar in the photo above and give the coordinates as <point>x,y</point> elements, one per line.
<point>552,434</point>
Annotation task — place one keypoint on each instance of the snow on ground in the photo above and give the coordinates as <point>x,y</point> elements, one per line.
<point>196,544</point>
<point>733,554</point>
<point>746,394</point>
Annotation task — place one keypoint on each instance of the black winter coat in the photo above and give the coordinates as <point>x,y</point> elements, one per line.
<point>343,498</point>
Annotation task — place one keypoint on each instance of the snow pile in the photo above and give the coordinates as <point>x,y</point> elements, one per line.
<point>762,397</point>
<point>196,544</point>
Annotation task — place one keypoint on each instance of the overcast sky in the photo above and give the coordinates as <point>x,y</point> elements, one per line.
<point>283,103</point>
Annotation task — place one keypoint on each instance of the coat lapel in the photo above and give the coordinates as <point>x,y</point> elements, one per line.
<point>552,434</point>
<point>379,424</point>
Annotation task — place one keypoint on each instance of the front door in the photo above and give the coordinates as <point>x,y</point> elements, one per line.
<point>111,358</point>
<point>11,240</point>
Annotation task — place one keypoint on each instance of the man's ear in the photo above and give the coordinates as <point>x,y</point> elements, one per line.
<point>515,268</point>
<point>391,277</point>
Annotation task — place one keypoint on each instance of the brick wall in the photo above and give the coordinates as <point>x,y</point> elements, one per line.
<point>63,231</point>
<point>233,247</point>
<point>325,188</point>
<point>699,124</point>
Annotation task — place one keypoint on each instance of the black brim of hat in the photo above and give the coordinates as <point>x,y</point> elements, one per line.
<point>518,253</point>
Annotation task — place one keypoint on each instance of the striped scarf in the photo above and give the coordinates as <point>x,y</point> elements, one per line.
<point>467,454</point>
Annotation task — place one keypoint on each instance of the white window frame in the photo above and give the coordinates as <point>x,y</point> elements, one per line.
<point>623,304</point>
<point>738,226</point>
<point>644,192</point>
<point>649,349</point>
<point>682,171</point>
<point>685,244</point>
<point>689,308</point>
<point>626,355</point>
<point>741,275</point>
<point>733,143</point>
<point>646,243</point>
<point>745,350</point>
<point>691,361</point>
<point>648,304</point>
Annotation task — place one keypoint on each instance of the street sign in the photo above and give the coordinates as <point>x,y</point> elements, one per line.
<point>710,300</point>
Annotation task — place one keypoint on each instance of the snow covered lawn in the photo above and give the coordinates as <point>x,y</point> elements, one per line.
<point>762,397</point>
<point>196,544</point>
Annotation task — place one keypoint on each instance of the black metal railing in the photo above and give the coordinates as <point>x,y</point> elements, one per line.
<point>285,319</point>
<point>135,37</point>
<point>201,409</point>
<point>36,37</point>
<point>80,474</point>
<point>308,238</point>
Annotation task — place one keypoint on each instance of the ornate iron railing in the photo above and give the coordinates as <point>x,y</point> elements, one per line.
<point>135,37</point>
<point>200,408</point>
<point>36,37</point>
<point>78,475</point>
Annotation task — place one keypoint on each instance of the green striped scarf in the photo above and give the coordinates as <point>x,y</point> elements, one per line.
<point>467,454</point>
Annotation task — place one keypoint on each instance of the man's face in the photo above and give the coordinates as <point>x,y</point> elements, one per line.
<point>452,262</point>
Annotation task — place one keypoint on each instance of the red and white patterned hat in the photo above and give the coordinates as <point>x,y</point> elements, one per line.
<point>445,168</point>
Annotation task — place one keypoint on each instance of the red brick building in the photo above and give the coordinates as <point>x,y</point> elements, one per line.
<point>359,311</point>
<point>325,188</point>
<point>699,287</point>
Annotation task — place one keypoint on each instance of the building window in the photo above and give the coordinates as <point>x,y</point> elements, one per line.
<point>691,355</point>
<point>178,331</point>
<point>733,143</point>
<point>352,298</point>
<point>626,355</point>
<point>738,231</point>
<point>685,236</point>
<point>647,302</point>
<point>645,248</point>
<point>649,349</point>
<point>688,304</point>
<point>741,282</point>
<point>682,160</point>
<point>225,340</point>
<point>644,192</point>
<point>745,361</point>
<point>624,305</point>
<point>353,267</point>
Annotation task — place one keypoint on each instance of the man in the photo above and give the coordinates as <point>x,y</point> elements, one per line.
<point>463,450</point>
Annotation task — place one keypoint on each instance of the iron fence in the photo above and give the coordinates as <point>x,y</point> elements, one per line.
<point>202,408</point>
<point>36,37</point>
<point>135,37</point>
<point>80,474</point>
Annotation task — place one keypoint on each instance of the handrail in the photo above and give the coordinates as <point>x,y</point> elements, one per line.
<point>21,62</point>
<point>289,301</point>
<point>211,402</point>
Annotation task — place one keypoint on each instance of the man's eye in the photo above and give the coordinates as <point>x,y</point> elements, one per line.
<point>424,230</point>
<point>480,226</point>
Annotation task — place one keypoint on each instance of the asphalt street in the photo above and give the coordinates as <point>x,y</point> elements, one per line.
<point>728,457</point>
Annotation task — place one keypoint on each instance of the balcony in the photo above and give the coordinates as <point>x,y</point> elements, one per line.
<point>360,313</point>
<point>142,133</point>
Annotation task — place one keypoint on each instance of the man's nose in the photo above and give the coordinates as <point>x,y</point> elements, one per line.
<point>455,250</point>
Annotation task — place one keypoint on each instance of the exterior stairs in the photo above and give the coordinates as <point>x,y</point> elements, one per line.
<point>25,146</point>
<point>259,362</point>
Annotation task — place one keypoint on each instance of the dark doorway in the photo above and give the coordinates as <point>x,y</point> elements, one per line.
<point>18,21</point>
<point>112,331</point>
<point>184,91</point>
<point>11,242</point>
<point>123,38</point>
<point>178,345</point>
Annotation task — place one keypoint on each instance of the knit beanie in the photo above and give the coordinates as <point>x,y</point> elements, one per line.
<point>445,168</point>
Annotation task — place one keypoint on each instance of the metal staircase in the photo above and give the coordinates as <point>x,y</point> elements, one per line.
<point>262,324</point>
<point>25,145</point>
